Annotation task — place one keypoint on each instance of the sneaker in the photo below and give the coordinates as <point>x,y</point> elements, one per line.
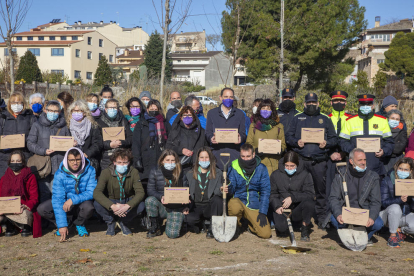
<point>393,242</point>
<point>304,236</point>
<point>110,232</point>
<point>401,237</point>
<point>370,243</point>
<point>125,230</point>
<point>82,232</point>
<point>57,234</point>
<point>26,231</point>
<point>154,228</point>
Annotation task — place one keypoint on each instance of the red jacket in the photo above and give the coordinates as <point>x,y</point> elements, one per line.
<point>30,197</point>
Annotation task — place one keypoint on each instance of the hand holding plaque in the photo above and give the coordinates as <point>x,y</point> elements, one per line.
<point>355,216</point>
<point>12,141</point>
<point>313,135</point>
<point>178,195</point>
<point>113,133</point>
<point>227,135</point>
<point>61,143</point>
<point>404,187</point>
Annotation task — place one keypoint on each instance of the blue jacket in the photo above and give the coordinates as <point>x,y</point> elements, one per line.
<point>203,120</point>
<point>247,120</point>
<point>256,195</point>
<point>65,186</point>
<point>388,194</point>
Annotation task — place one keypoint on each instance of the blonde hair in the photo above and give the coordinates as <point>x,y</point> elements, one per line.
<point>20,98</point>
<point>83,106</point>
<point>89,97</point>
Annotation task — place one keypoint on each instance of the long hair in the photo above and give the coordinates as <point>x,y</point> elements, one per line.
<point>83,106</point>
<point>212,168</point>
<point>66,98</point>
<point>405,160</point>
<point>157,104</point>
<point>16,96</point>
<point>177,169</point>
<point>135,99</point>
<point>267,102</point>
<point>291,156</point>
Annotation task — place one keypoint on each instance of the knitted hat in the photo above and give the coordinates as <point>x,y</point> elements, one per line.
<point>145,94</point>
<point>389,100</point>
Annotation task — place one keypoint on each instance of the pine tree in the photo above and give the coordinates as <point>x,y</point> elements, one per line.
<point>29,69</point>
<point>153,57</point>
<point>103,74</point>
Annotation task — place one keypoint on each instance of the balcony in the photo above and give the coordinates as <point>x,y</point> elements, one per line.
<point>180,78</point>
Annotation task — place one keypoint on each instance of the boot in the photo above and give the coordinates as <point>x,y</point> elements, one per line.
<point>10,229</point>
<point>26,231</point>
<point>124,229</point>
<point>209,234</point>
<point>154,228</point>
<point>304,233</point>
<point>110,232</point>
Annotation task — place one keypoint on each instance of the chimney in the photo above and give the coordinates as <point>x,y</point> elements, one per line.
<point>126,52</point>
<point>101,22</point>
<point>110,22</point>
<point>79,22</point>
<point>377,21</point>
<point>140,52</point>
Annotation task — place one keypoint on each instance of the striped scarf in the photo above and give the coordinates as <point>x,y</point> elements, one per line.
<point>266,125</point>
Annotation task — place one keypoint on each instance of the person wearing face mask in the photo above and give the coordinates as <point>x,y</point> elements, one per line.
<point>136,111</point>
<point>37,101</point>
<point>16,119</point>
<point>119,194</point>
<point>106,94</point>
<point>186,137</point>
<point>313,155</point>
<point>292,188</point>
<point>364,192</point>
<point>367,124</point>
<point>205,182</point>
<point>167,173</point>
<point>93,105</point>
<point>250,187</point>
<point>398,211</point>
<point>195,104</point>
<point>113,117</point>
<point>174,106</point>
<point>145,97</point>
<point>266,125</point>
<point>287,108</point>
<point>19,181</point>
<point>256,104</point>
<point>226,116</point>
<point>390,103</point>
<point>50,123</point>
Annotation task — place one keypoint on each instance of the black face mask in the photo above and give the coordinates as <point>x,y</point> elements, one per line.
<point>287,105</point>
<point>248,165</point>
<point>153,113</point>
<point>338,106</point>
<point>310,110</point>
<point>16,166</point>
<point>177,104</point>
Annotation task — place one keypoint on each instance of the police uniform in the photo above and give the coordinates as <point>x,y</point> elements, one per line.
<point>368,126</point>
<point>286,116</point>
<point>314,158</point>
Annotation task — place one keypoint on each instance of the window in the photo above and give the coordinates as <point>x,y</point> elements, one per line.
<point>100,56</point>
<point>77,53</point>
<point>41,38</point>
<point>19,38</point>
<point>74,37</point>
<point>380,61</point>
<point>100,42</point>
<point>89,40</point>
<point>111,58</point>
<point>30,38</point>
<point>61,72</point>
<point>179,61</point>
<point>63,38</point>
<point>35,51</point>
<point>77,74</point>
<point>52,38</point>
<point>89,75</point>
<point>58,52</point>
<point>89,55</point>
<point>6,51</point>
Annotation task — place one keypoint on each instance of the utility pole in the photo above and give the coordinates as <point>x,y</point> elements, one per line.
<point>282,22</point>
<point>164,50</point>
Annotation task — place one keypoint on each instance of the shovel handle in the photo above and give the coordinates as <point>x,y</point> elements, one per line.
<point>224,184</point>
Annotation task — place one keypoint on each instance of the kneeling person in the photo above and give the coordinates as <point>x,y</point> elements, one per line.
<point>250,185</point>
<point>72,194</point>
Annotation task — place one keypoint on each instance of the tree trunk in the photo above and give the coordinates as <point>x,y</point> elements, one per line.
<point>236,45</point>
<point>11,60</point>
<point>299,82</point>
<point>164,49</point>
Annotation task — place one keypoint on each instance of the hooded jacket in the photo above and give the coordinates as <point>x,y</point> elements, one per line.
<point>78,187</point>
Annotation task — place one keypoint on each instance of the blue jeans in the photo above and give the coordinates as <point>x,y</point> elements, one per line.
<point>109,216</point>
<point>378,224</point>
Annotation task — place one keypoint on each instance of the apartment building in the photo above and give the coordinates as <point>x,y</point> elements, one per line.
<point>75,53</point>
<point>129,61</point>
<point>190,42</point>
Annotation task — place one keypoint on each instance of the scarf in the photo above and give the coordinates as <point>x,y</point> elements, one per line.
<point>266,125</point>
<point>203,188</point>
<point>80,130</point>
<point>132,120</point>
<point>355,173</point>
<point>14,185</point>
<point>109,121</point>
<point>157,130</point>
<point>96,113</point>
<point>248,166</point>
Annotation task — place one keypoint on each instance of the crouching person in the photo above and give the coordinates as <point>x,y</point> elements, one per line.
<point>72,194</point>
<point>205,181</point>
<point>250,185</point>
<point>168,173</point>
<point>119,194</point>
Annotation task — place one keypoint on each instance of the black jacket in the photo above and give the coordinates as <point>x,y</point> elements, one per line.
<point>400,141</point>
<point>93,146</point>
<point>286,118</point>
<point>298,186</point>
<point>212,189</point>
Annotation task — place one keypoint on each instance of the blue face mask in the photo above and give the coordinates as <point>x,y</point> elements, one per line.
<point>37,108</point>
<point>92,106</point>
<point>204,164</point>
<point>169,166</point>
<point>228,102</point>
<point>121,168</point>
<point>403,175</point>
<point>358,169</point>
<point>365,109</point>
<point>103,101</point>
<point>290,172</point>
<point>52,116</point>
<point>112,113</point>
<point>393,123</point>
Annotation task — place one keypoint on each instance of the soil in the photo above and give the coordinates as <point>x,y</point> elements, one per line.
<point>193,254</point>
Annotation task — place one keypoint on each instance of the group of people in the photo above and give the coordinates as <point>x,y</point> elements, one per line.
<point>124,179</point>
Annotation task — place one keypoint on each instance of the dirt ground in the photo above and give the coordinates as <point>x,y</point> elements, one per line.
<point>193,254</point>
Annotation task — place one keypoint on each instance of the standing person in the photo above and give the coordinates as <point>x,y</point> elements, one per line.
<point>368,125</point>
<point>287,108</point>
<point>93,105</point>
<point>72,195</point>
<point>136,111</point>
<point>174,106</point>
<point>145,97</point>
<point>225,116</point>
<point>205,182</point>
<point>195,104</point>
<point>399,135</point>
<point>186,137</point>
<point>255,107</point>
<point>250,187</point>
<point>16,119</point>
<point>266,125</point>
<point>18,180</point>
<point>313,155</point>
<point>113,117</point>
<point>106,94</point>
<point>398,213</point>
<point>85,131</point>
<point>246,119</point>
<point>292,188</point>
<point>50,123</point>
<point>65,99</point>
<point>119,194</point>
<point>168,173</point>
<point>37,101</point>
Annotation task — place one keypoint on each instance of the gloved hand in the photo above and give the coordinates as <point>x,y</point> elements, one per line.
<point>262,219</point>
<point>138,165</point>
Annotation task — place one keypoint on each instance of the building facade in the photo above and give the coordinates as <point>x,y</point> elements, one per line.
<point>190,42</point>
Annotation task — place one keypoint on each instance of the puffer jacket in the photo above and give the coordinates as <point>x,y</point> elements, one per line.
<point>299,186</point>
<point>256,195</point>
<point>9,125</point>
<point>39,138</point>
<point>388,196</point>
<point>66,187</point>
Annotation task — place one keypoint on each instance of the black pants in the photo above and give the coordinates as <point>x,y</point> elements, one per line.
<point>82,212</point>
<point>205,211</point>
<point>109,216</point>
<point>300,212</point>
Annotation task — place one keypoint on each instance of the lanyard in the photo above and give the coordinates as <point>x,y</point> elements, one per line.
<point>121,186</point>
<point>169,183</point>
<point>199,182</point>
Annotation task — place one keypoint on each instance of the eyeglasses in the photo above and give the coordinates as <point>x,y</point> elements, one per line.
<point>187,115</point>
<point>74,160</point>
<point>16,103</point>
<point>112,108</point>
<point>52,111</point>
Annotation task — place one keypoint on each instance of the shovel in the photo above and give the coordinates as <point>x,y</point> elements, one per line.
<point>293,249</point>
<point>224,227</point>
<point>354,237</point>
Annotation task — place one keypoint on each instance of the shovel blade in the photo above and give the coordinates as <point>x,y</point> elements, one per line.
<point>355,238</point>
<point>223,229</point>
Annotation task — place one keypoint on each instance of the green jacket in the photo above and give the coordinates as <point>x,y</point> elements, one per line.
<point>108,187</point>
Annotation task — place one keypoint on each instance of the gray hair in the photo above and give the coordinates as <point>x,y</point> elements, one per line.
<point>352,153</point>
<point>53,103</point>
<point>189,100</point>
<point>83,106</point>
<point>36,95</point>
<point>395,111</point>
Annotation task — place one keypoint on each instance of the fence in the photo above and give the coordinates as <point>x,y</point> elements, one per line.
<point>42,87</point>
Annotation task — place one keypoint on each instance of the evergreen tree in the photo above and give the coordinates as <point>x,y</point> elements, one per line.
<point>29,69</point>
<point>103,74</point>
<point>380,81</point>
<point>153,57</point>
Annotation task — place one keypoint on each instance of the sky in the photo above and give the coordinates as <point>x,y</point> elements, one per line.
<point>204,14</point>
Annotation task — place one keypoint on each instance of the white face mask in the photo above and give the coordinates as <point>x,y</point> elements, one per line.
<point>16,108</point>
<point>254,109</point>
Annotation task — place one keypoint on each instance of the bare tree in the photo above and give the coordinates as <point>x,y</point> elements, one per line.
<point>13,13</point>
<point>213,39</point>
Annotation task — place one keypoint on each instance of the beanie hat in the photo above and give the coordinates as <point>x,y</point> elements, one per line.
<point>389,100</point>
<point>145,94</point>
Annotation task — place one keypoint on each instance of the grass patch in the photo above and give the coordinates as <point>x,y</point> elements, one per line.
<point>331,248</point>
<point>216,252</point>
<point>143,268</point>
<point>149,249</point>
